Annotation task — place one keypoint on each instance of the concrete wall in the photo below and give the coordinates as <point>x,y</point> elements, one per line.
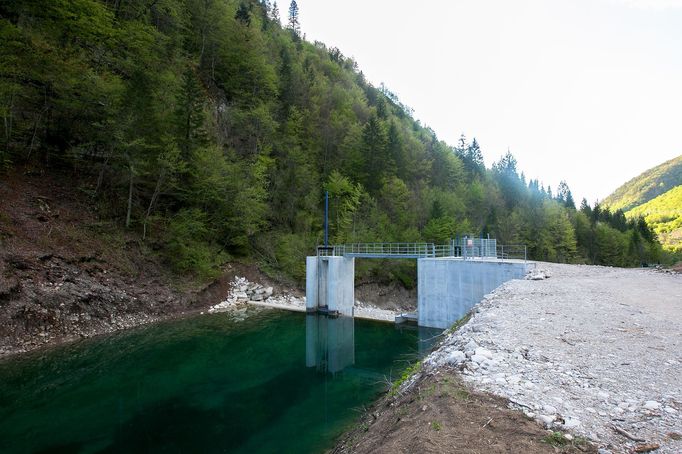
<point>330,284</point>
<point>447,288</point>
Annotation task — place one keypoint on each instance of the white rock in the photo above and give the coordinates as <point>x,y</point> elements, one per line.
<point>549,409</point>
<point>483,352</point>
<point>478,359</point>
<point>471,346</point>
<point>455,357</point>
<point>241,295</point>
<point>570,422</point>
<point>651,405</point>
<point>670,410</point>
<point>546,420</point>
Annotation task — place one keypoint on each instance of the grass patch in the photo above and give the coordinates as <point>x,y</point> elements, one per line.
<point>557,439</point>
<point>435,425</point>
<point>407,373</point>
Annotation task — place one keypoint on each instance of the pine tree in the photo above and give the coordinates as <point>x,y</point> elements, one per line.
<point>564,195</point>
<point>243,14</point>
<point>475,154</point>
<point>294,24</point>
<point>274,13</point>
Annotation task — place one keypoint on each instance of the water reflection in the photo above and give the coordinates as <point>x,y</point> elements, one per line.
<point>330,342</point>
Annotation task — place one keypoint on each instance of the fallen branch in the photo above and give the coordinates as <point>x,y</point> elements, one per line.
<point>489,421</point>
<point>625,433</point>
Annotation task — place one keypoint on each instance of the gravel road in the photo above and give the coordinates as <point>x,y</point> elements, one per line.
<point>596,351</point>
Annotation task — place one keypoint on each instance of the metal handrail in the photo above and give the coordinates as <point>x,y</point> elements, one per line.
<point>424,250</point>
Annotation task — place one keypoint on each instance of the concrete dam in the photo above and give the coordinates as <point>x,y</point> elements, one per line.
<point>451,278</point>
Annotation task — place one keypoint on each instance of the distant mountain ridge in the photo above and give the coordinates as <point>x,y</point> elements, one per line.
<point>647,186</point>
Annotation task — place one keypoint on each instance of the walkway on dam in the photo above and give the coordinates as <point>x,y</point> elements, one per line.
<point>463,248</point>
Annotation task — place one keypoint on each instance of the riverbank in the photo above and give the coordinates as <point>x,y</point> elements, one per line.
<point>66,274</point>
<point>592,352</point>
<point>243,292</point>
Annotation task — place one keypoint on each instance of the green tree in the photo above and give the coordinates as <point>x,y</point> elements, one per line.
<point>293,24</point>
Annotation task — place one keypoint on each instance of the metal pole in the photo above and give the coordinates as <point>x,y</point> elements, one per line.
<point>326,218</point>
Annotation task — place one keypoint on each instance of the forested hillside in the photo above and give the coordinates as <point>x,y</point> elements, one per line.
<point>212,131</point>
<point>647,186</point>
<point>664,214</point>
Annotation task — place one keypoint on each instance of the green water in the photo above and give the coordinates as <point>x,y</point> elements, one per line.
<point>205,384</point>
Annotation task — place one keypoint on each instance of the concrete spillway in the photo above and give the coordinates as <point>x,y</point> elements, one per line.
<point>446,287</point>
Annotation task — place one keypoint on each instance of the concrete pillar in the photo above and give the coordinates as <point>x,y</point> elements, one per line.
<point>448,288</point>
<point>330,285</point>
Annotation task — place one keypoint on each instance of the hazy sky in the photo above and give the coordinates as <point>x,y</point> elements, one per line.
<point>589,91</point>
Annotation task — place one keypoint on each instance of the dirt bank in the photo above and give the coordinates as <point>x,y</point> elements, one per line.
<point>439,414</point>
<point>67,274</point>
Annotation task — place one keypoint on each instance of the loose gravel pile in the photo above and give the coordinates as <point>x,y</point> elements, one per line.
<point>595,351</point>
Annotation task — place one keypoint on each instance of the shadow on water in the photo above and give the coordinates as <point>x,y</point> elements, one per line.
<point>275,382</point>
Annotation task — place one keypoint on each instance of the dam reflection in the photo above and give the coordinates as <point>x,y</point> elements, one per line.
<point>330,343</point>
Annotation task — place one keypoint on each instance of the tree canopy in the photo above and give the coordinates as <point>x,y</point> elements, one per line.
<point>213,131</point>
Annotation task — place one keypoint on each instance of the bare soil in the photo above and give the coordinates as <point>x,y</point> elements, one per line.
<point>440,414</point>
<point>392,296</point>
<point>66,274</point>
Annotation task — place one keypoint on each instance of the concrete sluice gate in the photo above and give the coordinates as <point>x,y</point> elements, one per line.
<point>446,287</point>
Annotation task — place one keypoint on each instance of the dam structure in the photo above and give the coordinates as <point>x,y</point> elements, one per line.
<point>451,278</point>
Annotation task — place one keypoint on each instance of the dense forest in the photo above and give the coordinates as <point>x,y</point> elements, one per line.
<point>212,128</point>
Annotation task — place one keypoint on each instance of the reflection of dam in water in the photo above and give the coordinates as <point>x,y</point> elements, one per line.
<point>330,344</point>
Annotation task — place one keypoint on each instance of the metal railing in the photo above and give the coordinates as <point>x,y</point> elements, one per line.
<point>485,249</point>
<point>512,252</point>
<point>407,250</point>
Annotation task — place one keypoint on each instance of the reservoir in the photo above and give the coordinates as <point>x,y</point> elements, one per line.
<point>262,381</point>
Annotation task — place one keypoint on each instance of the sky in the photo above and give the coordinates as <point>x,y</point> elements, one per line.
<point>587,91</point>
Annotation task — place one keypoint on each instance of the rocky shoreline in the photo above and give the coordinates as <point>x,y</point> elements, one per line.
<point>244,292</point>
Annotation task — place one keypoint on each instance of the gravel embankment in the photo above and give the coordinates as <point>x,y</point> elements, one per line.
<point>593,350</point>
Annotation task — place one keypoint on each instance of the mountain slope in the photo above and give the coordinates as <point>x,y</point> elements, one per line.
<point>646,186</point>
<point>664,215</point>
<point>212,132</point>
